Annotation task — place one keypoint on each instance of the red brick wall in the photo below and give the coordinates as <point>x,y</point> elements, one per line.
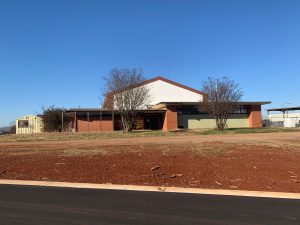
<point>170,119</point>
<point>94,125</point>
<point>255,116</point>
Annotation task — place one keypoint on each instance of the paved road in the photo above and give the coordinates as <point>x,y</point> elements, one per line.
<point>44,205</point>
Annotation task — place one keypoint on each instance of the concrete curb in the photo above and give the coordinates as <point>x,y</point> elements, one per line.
<point>260,194</point>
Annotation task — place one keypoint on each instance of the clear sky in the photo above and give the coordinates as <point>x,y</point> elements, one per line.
<point>56,52</point>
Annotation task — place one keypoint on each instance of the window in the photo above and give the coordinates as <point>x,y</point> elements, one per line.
<point>241,110</point>
<point>187,110</point>
<point>23,124</point>
<point>244,109</point>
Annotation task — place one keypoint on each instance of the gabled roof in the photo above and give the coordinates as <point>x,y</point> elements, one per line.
<point>173,83</point>
<point>165,80</point>
<point>107,105</point>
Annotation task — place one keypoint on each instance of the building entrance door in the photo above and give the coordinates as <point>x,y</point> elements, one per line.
<point>152,122</point>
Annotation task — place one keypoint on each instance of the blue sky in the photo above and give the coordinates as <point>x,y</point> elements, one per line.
<point>56,52</point>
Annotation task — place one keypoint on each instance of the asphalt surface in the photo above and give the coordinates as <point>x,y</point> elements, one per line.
<point>47,205</point>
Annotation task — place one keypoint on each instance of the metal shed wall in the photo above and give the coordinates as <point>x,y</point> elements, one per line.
<point>35,125</point>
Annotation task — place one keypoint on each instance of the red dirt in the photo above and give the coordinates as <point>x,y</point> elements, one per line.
<point>209,165</point>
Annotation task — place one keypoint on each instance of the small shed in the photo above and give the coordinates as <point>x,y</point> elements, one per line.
<point>29,124</point>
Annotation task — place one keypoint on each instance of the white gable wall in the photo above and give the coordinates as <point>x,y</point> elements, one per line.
<point>162,91</point>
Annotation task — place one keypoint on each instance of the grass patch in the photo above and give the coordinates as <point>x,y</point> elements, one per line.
<point>77,136</point>
<point>119,134</point>
<point>246,130</point>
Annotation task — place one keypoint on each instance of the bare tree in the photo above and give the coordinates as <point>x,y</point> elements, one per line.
<point>125,92</point>
<point>222,98</point>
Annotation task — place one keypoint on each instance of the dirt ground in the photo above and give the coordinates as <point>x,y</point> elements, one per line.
<point>269,162</point>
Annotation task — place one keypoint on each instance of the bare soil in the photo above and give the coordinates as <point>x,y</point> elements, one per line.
<point>269,162</point>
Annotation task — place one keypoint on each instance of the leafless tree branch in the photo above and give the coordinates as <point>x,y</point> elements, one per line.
<point>222,98</point>
<point>124,93</point>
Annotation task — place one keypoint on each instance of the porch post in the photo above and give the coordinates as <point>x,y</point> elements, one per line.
<point>75,122</point>
<point>88,121</point>
<point>113,120</point>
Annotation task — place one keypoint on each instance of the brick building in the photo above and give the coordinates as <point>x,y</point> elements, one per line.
<point>171,106</point>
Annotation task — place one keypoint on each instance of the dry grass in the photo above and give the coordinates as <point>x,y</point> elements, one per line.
<point>77,136</point>
<point>245,130</point>
<point>118,134</point>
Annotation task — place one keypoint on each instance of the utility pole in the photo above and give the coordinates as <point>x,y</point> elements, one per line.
<point>283,111</point>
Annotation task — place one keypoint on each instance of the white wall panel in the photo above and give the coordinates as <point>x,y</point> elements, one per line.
<point>162,91</point>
